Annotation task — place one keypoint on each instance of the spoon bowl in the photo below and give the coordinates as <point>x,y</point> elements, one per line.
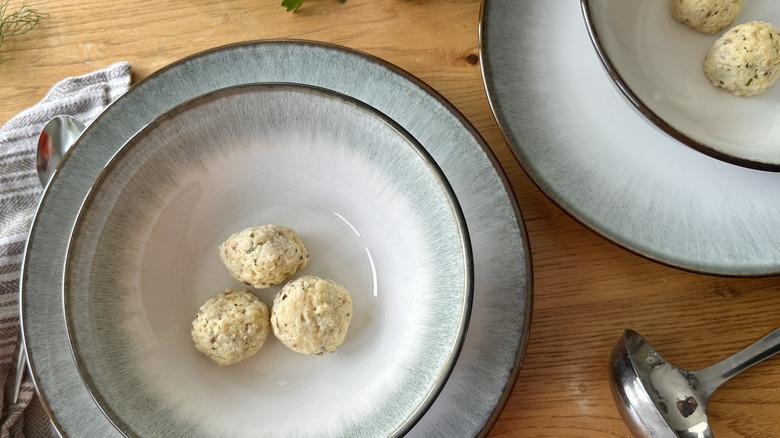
<point>56,138</point>
<point>657,399</point>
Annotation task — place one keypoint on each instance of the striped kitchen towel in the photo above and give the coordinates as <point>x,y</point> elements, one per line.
<point>83,97</point>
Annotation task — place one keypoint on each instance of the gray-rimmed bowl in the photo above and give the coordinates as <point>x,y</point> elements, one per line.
<point>657,64</point>
<point>376,214</point>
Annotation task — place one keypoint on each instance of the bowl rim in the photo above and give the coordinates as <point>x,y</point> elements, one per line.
<point>637,103</point>
<point>458,216</point>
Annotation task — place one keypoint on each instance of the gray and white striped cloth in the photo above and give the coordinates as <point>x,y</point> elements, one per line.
<point>84,97</point>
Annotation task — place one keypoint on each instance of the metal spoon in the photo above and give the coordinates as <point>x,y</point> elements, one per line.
<point>57,136</point>
<point>657,399</point>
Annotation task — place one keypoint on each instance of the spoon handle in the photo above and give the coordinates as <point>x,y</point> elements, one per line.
<point>20,362</point>
<point>715,375</point>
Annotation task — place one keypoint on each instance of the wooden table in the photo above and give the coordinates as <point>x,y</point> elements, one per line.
<point>586,289</point>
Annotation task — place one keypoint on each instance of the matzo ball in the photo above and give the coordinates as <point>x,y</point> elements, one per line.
<point>745,60</point>
<point>264,256</point>
<point>231,326</point>
<point>311,315</point>
<point>707,16</point>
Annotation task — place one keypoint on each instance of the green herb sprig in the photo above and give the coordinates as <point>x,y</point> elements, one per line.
<point>294,5</point>
<point>17,22</point>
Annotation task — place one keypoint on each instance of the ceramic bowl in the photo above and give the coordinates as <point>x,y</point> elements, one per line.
<point>375,213</point>
<point>657,63</point>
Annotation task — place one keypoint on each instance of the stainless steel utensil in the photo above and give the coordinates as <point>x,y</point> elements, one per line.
<point>657,399</point>
<point>56,138</point>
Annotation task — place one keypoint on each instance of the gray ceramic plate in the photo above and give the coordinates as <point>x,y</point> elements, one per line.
<point>495,343</point>
<point>605,164</point>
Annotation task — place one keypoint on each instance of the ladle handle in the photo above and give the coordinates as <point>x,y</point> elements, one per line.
<point>715,375</point>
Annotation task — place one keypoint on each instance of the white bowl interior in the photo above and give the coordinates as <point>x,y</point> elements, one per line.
<point>660,60</point>
<point>375,214</point>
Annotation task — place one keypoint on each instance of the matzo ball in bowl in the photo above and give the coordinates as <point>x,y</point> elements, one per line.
<point>311,315</point>
<point>231,326</point>
<point>708,16</point>
<point>263,256</point>
<point>745,60</point>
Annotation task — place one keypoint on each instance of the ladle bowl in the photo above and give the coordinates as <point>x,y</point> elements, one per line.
<point>657,399</point>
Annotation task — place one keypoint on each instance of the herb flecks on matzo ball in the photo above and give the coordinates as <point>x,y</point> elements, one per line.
<point>707,16</point>
<point>264,256</point>
<point>745,60</point>
<point>311,315</point>
<point>231,326</point>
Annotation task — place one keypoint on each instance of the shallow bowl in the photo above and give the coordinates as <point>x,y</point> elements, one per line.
<point>375,213</point>
<point>657,63</point>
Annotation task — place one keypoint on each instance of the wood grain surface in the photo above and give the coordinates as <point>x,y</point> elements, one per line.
<point>586,289</point>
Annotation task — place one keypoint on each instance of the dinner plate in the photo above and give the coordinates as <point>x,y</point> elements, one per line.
<point>495,342</point>
<point>607,166</point>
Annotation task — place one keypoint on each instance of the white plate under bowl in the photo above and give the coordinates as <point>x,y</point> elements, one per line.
<point>373,209</point>
<point>657,62</point>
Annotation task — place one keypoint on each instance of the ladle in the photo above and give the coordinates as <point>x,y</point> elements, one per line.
<point>657,399</point>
